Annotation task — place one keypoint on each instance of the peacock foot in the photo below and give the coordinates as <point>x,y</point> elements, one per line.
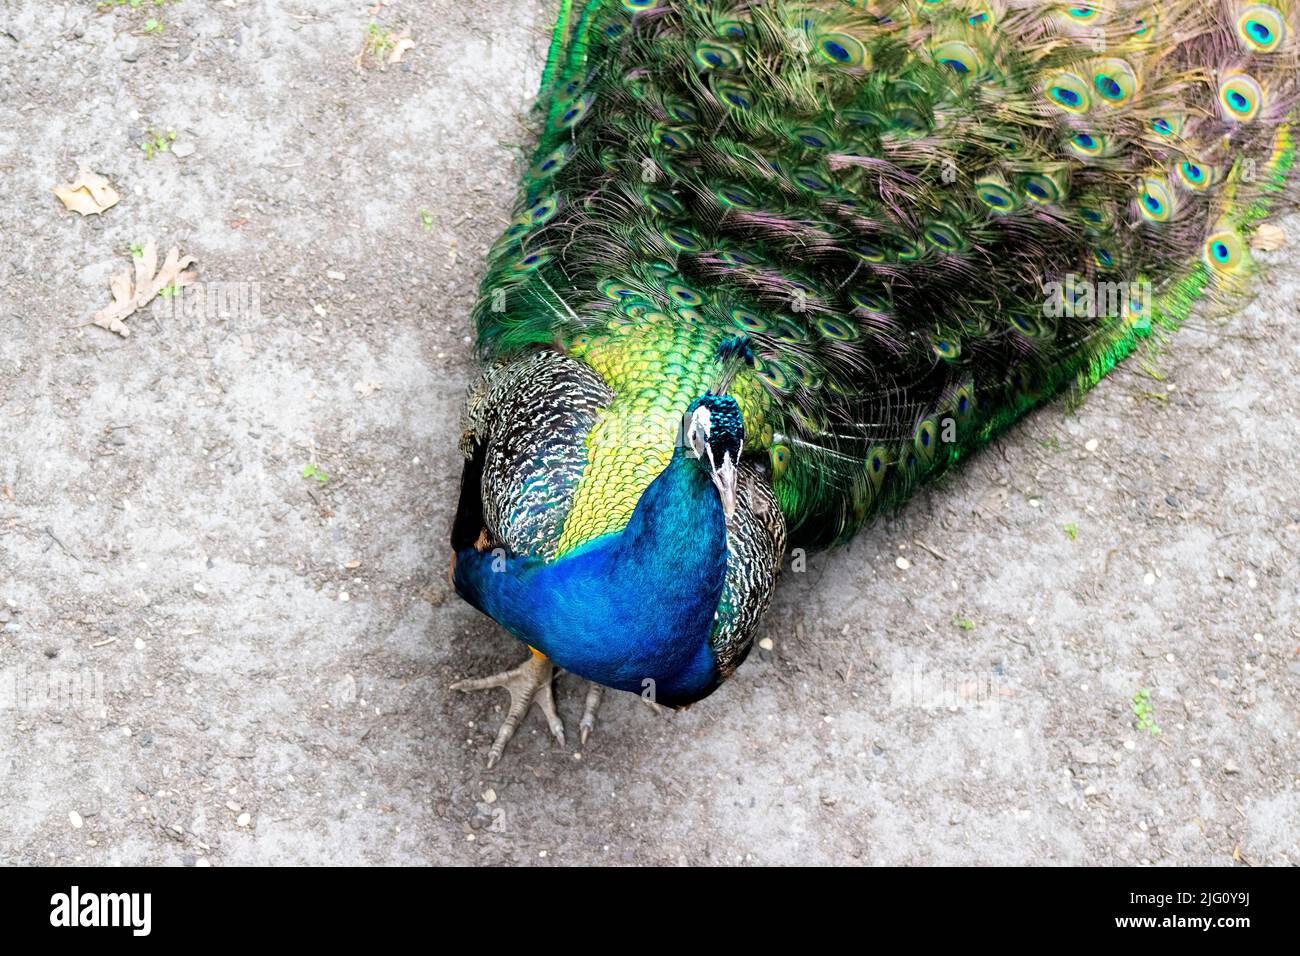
<point>528,683</point>
<point>588,723</point>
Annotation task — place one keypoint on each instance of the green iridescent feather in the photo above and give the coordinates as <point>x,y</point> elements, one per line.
<point>890,212</point>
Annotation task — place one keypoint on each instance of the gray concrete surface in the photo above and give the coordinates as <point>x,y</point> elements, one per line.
<point>250,666</point>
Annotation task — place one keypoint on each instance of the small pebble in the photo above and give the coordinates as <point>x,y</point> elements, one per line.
<point>1231,768</point>
<point>1149,579</point>
<point>1090,444</point>
<point>766,644</point>
<point>75,819</point>
<point>489,795</point>
<point>139,644</point>
<point>1196,762</point>
<point>344,596</point>
<point>902,563</point>
<point>243,820</point>
<point>1130,745</point>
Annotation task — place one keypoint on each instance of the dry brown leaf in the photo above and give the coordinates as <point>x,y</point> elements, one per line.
<point>90,195</point>
<point>1268,238</point>
<point>131,294</point>
<point>402,44</point>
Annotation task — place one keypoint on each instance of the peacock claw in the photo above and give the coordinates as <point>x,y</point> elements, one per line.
<point>588,723</point>
<point>528,683</point>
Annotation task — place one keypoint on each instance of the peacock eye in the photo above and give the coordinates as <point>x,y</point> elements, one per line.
<point>696,437</point>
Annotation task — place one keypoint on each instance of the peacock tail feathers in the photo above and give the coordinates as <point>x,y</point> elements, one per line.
<point>888,228</point>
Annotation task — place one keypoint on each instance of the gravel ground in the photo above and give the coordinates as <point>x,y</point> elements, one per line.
<point>206,657</point>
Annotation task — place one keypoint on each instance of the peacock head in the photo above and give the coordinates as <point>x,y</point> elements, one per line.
<point>715,434</point>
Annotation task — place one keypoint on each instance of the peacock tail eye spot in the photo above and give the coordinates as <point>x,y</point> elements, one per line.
<point>810,180</point>
<point>1241,97</point>
<point>1087,145</point>
<point>717,56</point>
<point>675,140</point>
<point>1067,90</point>
<point>1103,258</point>
<point>574,114</point>
<point>617,290</point>
<point>947,349</point>
<point>1041,189</point>
<point>637,6</point>
<point>813,137</point>
<point>1194,175</point>
<point>1261,28</point>
<point>869,301</point>
<point>749,321</point>
<point>1156,201</point>
<point>740,198</point>
<point>1162,126</point>
<point>532,261</point>
<point>772,373</point>
<point>1024,325</point>
<point>958,57</point>
<point>685,295</point>
<point>544,210</point>
<point>995,196</point>
<point>780,455</point>
<point>1225,252</point>
<point>549,164</point>
<point>943,236</point>
<point>734,94</point>
<point>682,239</point>
<point>665,203</point>
<point>839,331</point>
<point>908,251</point>
<point>869,252</point>
<point>842,49</point>
<point>1115,81</point>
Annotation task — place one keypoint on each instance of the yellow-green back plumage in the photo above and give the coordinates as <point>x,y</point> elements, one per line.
<point>914,221</point>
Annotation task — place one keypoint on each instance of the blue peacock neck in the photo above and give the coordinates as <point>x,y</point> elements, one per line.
<point>629,607</point>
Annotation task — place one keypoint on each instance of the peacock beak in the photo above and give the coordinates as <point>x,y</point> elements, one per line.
<point>725,477</point>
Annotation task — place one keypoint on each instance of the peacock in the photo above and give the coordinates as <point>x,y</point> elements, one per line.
<point>775,264</point>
